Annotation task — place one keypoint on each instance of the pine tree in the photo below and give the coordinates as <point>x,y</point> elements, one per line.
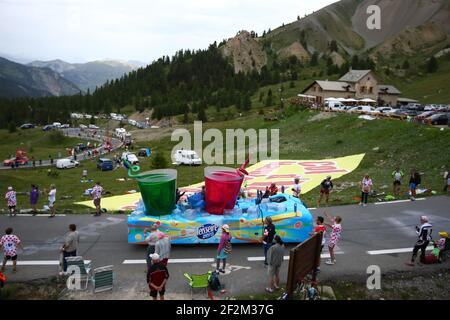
<point>201,115</point>
<point>247,102</point>
<point>333,46</point>
<point>159,161</point>
<point>432,65</point>
<point>314,59</point>
<point>269,99</point>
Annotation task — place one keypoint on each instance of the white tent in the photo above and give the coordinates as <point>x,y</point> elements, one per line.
<point>368,100</point>
<point>331,99</point>
<point>341,99</point>
<point>350,100</point>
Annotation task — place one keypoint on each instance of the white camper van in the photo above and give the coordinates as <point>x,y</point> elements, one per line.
<point>187,157</point>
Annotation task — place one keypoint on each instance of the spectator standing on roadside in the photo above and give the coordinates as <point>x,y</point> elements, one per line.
<point>224,248</point>
<point>151,237</point>
<point>11,200</point>
<point>70,246</point>
<point>51,200</point>
<point>366,188</point>
<point>34,198</point>
<point>10,242</point>
<point>424,238</point>
<point>157,277</point>
<point>447,182</point>
<point>162,247</point>
<point>414,181</point>
<point>97,191</point>
<point>336,230</point>
<point>325,188</point>
<point>397,175</point>
<point>269,234</point>
<point>297,189</point>
<point>275,257</point>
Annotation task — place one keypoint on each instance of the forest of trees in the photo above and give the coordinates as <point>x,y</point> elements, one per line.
<point>188,82</point>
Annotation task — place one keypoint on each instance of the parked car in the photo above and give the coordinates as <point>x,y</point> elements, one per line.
<point>367,109</point>
<point>92,126</point>
<point>105,164</point>
<point>437,119</point>
<point>65,126</point>
<point>27,126</point>
<point>82,126</point>
<point>422,116</point>
<point>66,163</point>
<point>414,106</point>
<point>385,110</point>
<point>20,159</point>
<point>48,127</point>
<point>130,157</point>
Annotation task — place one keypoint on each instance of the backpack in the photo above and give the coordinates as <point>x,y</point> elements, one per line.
<point>214,283</point>
<point>228,248</point>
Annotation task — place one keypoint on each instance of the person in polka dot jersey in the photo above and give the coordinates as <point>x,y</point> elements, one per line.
<point>10,242</point>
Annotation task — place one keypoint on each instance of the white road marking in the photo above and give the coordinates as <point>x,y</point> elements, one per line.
<point>391,251</point>
<point>399,201</point>
<point>323,256</point>
<point>40,263</point>
<point>171,261</point>
<point>38,215</point>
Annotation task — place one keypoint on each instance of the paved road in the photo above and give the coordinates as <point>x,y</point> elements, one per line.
<point>367,234</point>
<point>75,133</point>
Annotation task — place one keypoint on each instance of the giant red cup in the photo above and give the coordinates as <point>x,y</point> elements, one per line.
<point>222,186</point>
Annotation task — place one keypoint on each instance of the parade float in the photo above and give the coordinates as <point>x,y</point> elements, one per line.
<point>198,218</point>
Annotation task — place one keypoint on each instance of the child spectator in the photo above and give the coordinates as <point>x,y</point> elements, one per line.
<point>334,237</point>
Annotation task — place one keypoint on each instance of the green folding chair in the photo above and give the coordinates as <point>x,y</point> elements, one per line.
<point>79,264</point>
<point>103,279</point>
<point>198,281</point>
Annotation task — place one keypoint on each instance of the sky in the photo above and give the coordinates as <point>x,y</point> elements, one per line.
<point>83,30</point>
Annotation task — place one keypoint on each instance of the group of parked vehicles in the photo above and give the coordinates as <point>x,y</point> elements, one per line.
<point>428,114</point>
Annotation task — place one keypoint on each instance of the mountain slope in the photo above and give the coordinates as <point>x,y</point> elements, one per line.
<point>88,75</point>
<point>17,80</point>
<point>407,27</point>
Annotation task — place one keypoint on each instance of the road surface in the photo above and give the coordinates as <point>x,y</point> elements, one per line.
<point>380,234</point>
<point>75,133</point>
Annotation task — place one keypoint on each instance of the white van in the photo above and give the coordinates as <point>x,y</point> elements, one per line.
<point>187,157</point>
<point>120,133</point>
<point>130,157</point>
<point>66,163</point>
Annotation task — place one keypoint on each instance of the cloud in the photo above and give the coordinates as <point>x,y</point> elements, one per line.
<point>82,30</point>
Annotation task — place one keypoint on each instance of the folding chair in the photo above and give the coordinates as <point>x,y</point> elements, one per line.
<point>103,279</point>
<point>198,281</point>
<point>77,263</point>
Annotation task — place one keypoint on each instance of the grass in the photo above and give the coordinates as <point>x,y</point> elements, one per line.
<point>398,143</point>
<point>36,143</point>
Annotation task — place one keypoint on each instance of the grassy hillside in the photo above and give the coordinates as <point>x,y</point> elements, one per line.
<point>36,143</point>
<point>398,143</point>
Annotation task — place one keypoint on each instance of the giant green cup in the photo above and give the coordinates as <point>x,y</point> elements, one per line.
<point>158,191</point>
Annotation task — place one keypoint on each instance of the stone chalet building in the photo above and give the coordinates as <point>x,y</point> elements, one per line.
<point>355,84</point>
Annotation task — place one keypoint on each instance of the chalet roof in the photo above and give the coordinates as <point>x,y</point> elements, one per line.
<point>334,85</point>
<point>388,89</point>
<point>354,75</point>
